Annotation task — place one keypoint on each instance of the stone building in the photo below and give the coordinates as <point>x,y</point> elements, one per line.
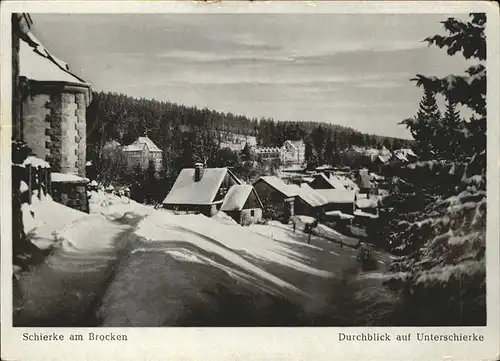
<point>53,109</point>
<point>49,110</point>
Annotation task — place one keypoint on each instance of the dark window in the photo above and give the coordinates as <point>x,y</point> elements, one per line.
<point>252,213</point>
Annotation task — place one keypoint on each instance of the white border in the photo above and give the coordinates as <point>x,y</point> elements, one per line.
<point>254,343</point>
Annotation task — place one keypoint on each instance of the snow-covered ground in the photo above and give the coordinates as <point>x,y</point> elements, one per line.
<point>224,239</point>
<point>141,265</point>
<point>44,218</point>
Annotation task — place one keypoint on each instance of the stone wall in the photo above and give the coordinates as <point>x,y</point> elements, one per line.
<point>35,118</point>
<point>54,127</point>
<point>71,194</point>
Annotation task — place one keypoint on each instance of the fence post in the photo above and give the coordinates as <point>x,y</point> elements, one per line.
<point>49,181</point>
<point>30,188</point>
<point>39,180</point>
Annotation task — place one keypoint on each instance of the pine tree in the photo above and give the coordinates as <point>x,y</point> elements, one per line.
<point>469,39</point>
<point>451,141</point>
<point>424,126</point>
<point>246,153</point>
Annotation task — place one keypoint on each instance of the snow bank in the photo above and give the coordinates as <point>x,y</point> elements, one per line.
<point>115,206</point>
<point>23,187</point>
<point>280,232</point>
<point>223,218</point>
<point>35,162</point>
<point>223,240</point>
<point>329,233</point>
<point>304,219</point>
<point>324,231</point>
<point>44,217</point>
<point>360,213</point>
<point>94,233</point>
<point>63,177</point>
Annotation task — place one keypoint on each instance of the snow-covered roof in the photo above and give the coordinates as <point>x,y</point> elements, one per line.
<point>236,197</point>
<point>384,158</point>
<point>333,181</point>
<point>360,213</point>
<point>64,177</point>
<point>367,203</point>
<point>376,176</point>
<point>385,151</point>
<point>358,149</point>
<point>336,182</point>
<point>151,145</point>
<point>295,143</point>
<point>371,151</point>
<point>407,152</point>
<point>36,63</point>
<point>279,185</point>
<point>186,191</point>
<point>294,168</point>
<point>336,195</point>
<point>323,167</point>
<point>346,182</point>
<point>308,194</point>
<point>339,214</point>
<point>36,162</point>
<point>401,156</point>
<point>139,144</point>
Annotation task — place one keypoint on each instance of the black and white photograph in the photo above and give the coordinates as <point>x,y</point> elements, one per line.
<point>249,170</point>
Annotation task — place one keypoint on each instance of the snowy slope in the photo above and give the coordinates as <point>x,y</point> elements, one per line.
<point>127,264</point>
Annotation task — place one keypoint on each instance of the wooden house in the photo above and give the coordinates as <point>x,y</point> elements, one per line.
<point>200,190</point>
<point>243,204</point>
<point>322,181</point>
<point>337,200</point>
<point>277,197</point>
<point>307,202</point>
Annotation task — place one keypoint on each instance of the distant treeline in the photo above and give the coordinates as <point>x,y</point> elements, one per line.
<point>182,131</point>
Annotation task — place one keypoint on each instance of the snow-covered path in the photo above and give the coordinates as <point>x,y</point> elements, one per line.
<point>65,287</point>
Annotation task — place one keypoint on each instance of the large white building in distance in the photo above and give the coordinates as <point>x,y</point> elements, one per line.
<point>292,152</point>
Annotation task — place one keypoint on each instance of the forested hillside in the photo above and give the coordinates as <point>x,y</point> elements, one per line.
<point>189,133</point>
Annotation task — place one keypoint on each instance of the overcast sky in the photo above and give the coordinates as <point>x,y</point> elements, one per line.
<point>351,70</point>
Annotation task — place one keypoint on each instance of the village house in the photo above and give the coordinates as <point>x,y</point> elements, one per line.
<point>293,152</point>
<point>50,105</point>
<point>243,204</point>
<point>141,152</point>
<point>322,181</point>
<point>200,190</point>
<point>277,197</point>
<point>307,202</point>
<point>341,200</point>
<point>364,182</point>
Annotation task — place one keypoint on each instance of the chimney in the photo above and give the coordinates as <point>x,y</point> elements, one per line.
<point>198,171</point>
